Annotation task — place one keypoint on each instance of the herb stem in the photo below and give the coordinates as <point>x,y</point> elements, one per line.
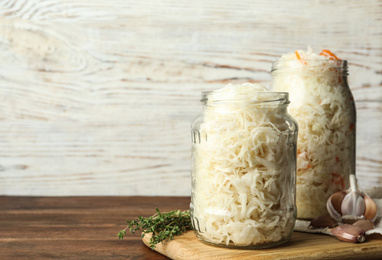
<point>163,226</point>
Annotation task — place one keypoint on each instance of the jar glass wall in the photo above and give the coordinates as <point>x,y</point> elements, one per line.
<point>243,170</point>
<point>323,106</point>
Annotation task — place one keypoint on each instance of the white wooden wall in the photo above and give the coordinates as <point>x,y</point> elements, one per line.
<point>96,96</point>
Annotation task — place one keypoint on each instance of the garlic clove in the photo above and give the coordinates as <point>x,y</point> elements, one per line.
<point>323,222</point>
<point>333,204</point>
<point>349,233</point>
<point>371,208</point>
<point>364,224</point>
<point>353,204</point>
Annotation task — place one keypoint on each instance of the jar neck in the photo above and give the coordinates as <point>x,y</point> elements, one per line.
<point>314,66</point>
<point>259,100</point>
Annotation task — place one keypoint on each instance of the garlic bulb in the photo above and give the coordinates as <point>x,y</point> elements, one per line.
<point>351,204</point>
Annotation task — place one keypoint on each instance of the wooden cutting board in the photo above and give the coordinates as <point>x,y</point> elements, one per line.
<point>300,246</point>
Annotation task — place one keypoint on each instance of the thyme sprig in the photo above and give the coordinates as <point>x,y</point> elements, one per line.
<point>162,225</point>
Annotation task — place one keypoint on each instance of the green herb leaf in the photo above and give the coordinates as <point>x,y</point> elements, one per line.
<point>162,225</point>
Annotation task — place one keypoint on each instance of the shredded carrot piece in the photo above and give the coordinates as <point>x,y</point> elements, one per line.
<point>351,127</point>
<point>299,58</point>
<point>339,79</point>
<point>337,179</point>
<point>337,160</point>
<point>329,54</point>
<point>298,55</point>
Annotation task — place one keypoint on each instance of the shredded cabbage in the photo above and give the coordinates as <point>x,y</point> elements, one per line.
<point>323,106</point>
<point>243,169</point>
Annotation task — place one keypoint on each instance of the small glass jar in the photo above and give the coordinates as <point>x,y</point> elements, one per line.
<point>243,171</point>
<point>323,106</point>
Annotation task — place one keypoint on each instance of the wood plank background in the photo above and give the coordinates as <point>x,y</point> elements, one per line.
<point>96,97</point>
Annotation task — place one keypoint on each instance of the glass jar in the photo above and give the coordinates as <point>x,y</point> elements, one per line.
<point>243,171</point>
<point>323,106</point>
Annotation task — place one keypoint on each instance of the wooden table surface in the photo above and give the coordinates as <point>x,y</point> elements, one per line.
<point>76,227</point>
<point>86,227</point>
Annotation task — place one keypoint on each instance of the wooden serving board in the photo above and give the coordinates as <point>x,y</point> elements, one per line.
<point>300,246</point>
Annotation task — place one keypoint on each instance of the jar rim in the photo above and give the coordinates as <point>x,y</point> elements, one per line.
<point>261,97</point>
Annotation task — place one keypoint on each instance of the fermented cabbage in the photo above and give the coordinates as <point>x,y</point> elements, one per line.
<point>244,168</point>
<point>323,106</point>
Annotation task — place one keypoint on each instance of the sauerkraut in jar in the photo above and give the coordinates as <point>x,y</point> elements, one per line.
<point>323,106</point>
<point>243,168</point>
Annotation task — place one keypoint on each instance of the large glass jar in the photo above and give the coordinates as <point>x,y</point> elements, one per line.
<point>243,169</point>
<point>323,106</point>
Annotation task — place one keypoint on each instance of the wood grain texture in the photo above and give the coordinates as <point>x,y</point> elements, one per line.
<point>76,227</point>
<point>96,97</point>
<point>300,246</point>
